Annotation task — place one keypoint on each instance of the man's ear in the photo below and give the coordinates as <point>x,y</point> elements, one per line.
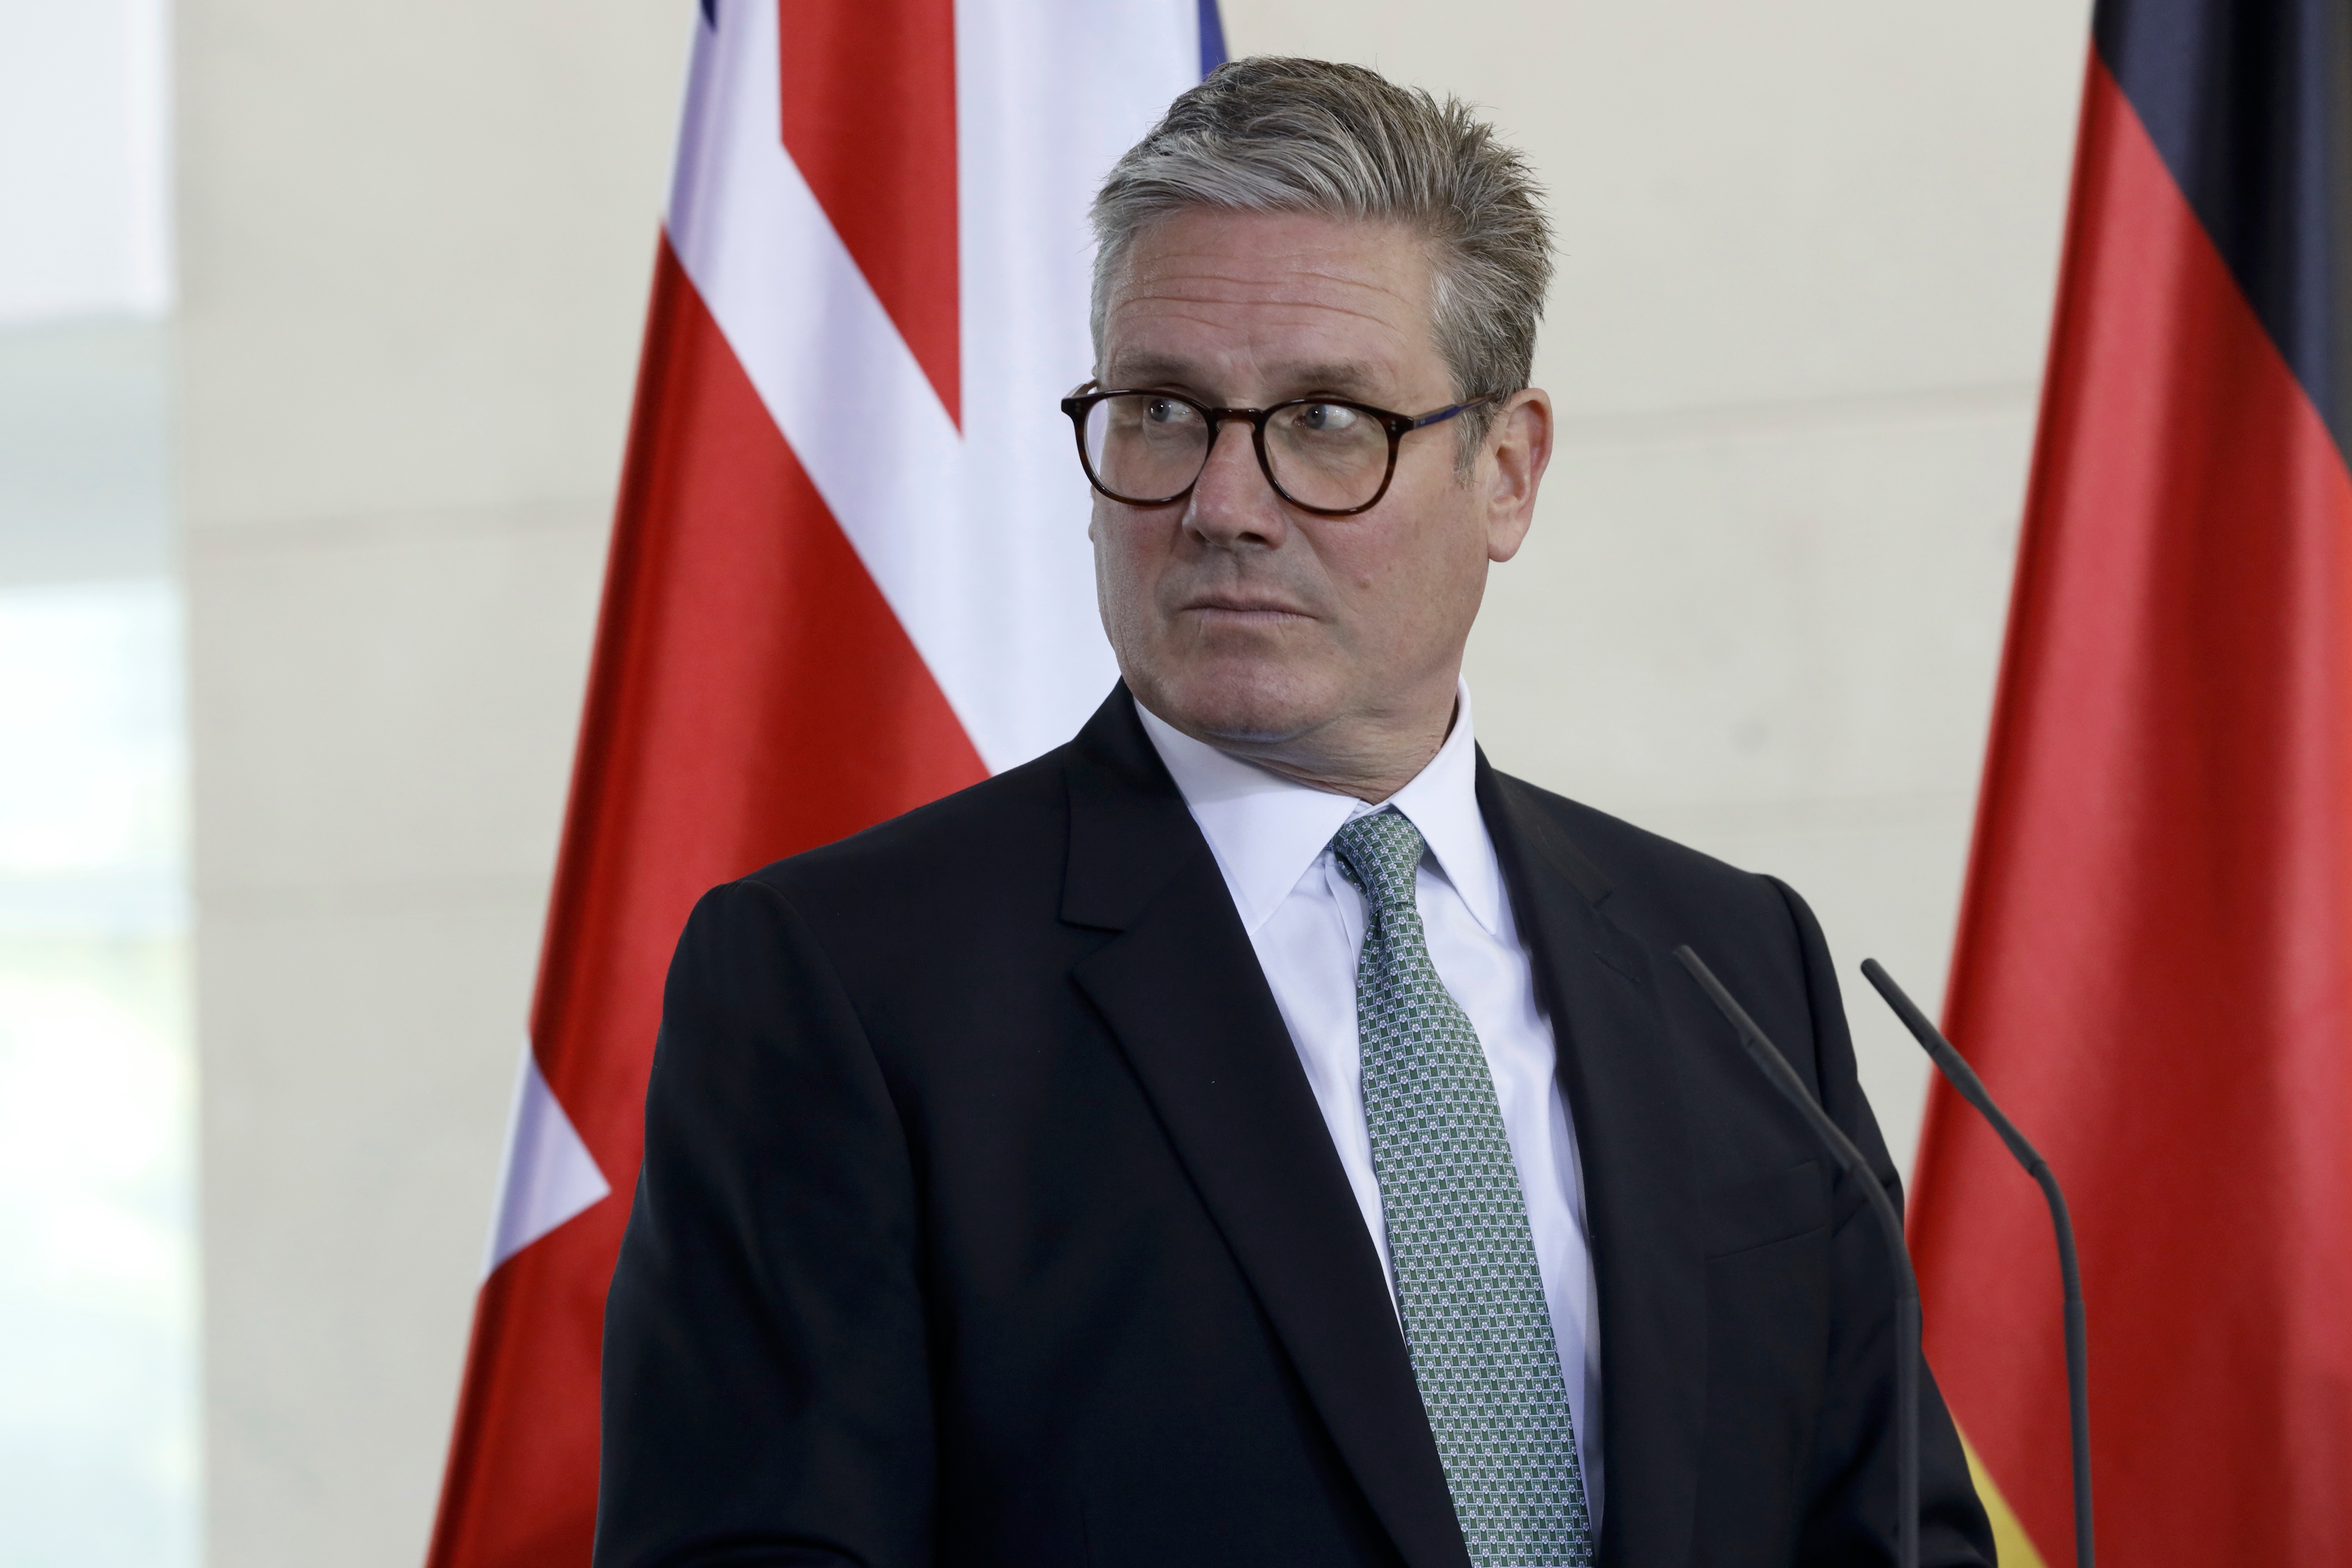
<point>1520,445</point>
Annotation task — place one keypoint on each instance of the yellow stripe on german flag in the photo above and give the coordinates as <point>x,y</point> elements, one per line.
<point>2008,1537</point>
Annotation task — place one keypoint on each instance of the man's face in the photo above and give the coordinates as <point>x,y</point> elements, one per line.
<point>1239,617</point>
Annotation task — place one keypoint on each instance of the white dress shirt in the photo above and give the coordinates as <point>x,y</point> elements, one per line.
<point>1272,838</point>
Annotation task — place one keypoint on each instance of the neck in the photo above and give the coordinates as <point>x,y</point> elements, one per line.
<point>1369,760</point>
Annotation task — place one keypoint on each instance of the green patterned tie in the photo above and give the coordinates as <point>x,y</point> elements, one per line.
<point>1475,1320</point>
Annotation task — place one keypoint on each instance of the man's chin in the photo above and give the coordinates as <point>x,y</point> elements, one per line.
<point>1241,710</point>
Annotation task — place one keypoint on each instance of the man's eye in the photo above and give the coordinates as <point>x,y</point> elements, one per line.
<point>1166,411</point>
<point>1326,416</point>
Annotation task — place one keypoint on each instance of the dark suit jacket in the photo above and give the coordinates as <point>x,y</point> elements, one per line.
<point>987,1217</point>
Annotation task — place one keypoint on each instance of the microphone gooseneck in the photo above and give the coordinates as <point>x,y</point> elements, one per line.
<point>1775,1067</point>
<point>1963,1077</point>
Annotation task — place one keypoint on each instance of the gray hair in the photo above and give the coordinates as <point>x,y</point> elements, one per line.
<point>1272,134</point>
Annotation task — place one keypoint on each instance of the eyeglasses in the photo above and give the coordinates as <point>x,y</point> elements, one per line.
<point>1323,454</point>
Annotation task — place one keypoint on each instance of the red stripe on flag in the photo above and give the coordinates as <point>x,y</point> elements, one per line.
<point>870,116</point>
<point>2156,941</point>
<point>520,1487</point>
<point>751,696</point>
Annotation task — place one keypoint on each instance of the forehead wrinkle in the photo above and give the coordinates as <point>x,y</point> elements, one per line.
<point>1264,355</point>
<point>1253,317</point>
<point>1277,314</point>
<point>1301,285</point>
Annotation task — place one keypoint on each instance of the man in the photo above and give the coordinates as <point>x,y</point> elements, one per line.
<point>1258,1131</point>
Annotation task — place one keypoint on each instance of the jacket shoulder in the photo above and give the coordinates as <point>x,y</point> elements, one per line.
<point>1002,831</point>
<point>1644,879</point>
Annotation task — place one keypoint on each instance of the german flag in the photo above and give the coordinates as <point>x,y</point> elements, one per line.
<point>2154,971</point>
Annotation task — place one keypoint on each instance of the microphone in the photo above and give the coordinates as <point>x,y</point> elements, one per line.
<point>1962,1077</point>
<point>1775,1067</point>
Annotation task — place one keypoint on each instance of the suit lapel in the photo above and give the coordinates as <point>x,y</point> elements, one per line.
<point>1181,990</point>
<point>1599,985</point>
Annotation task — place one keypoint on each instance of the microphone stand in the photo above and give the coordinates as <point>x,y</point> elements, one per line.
<point>1963,1077</point>
<point>1775,1067</point>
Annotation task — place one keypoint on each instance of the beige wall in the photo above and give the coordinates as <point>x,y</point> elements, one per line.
<point>1809,251</point>
<point>415,245</point>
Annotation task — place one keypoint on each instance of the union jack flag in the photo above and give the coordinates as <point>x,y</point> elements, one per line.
<point>849,573</point>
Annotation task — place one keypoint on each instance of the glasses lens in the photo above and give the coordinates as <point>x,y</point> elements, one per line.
<point>1144,448</point>
<point>1327,454</point>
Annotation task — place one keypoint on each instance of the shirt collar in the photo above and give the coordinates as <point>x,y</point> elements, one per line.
<point>1267,830</point>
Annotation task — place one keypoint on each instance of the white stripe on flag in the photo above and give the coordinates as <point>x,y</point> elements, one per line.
<point>977,540</point>
<point>547,1176</point>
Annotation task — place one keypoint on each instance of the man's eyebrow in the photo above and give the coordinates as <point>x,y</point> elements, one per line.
<point>1346,378</point>
<point>1145,369</point>
<point>1352,377</point>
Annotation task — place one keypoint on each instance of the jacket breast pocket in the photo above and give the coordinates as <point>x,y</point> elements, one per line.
<point>1766,1209</point>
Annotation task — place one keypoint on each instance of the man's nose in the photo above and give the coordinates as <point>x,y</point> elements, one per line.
<point>1232,500</point>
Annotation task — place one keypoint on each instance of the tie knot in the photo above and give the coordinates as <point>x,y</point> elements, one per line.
<point>1380,852</point>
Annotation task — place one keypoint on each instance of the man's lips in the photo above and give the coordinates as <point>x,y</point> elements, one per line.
<point>1231,605</point>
